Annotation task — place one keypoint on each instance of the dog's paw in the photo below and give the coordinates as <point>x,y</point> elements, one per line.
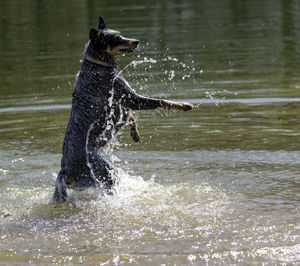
<point>186,106</point>
<point>176,106</point>
<point>135,134</point>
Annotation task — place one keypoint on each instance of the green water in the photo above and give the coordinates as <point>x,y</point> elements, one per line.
<point>217,185</point>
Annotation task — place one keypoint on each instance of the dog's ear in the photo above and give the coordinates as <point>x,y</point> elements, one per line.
<point>94,34</point>
<point>102,24</point>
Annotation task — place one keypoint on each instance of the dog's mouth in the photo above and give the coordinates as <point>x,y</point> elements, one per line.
<point>130,48</point>
<point>126,49</point>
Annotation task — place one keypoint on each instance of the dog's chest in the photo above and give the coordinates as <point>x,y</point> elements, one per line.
<point>95,96</point>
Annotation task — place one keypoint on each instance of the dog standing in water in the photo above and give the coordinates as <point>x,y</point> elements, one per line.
<point>101,106</point>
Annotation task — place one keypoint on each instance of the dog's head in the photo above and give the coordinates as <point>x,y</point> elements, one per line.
<point>111,41</point>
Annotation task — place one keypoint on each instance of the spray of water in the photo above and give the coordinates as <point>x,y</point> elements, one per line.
<point>109,132</point>
<point>88,153</point>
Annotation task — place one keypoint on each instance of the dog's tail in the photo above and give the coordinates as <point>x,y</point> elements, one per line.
<point>60,193</point>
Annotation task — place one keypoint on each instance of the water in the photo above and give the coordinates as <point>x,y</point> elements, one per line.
<point>218,185</point>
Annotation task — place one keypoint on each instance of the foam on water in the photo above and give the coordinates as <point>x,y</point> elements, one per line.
<point>144,221</point>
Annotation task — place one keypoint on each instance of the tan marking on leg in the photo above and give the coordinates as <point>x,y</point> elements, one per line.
<point>133,129</point>
<point>176,106</point>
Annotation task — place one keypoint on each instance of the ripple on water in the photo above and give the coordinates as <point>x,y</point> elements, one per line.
<point>143,222</point>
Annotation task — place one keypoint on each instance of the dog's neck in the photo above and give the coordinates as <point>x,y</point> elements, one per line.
<point>97,61</point>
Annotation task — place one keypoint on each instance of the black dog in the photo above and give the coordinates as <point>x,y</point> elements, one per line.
<point>101,106</point>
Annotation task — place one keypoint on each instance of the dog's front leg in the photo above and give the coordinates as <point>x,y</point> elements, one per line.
<point>176,105</point>
<point>133,129</point>
<point>131,100</point>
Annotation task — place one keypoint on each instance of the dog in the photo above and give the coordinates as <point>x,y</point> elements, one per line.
<point>101,105</point>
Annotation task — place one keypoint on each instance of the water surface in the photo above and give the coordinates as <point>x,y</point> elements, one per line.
<point>218,185</point>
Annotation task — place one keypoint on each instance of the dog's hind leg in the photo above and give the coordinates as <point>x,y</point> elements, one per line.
<point>60,193</point>
<point>101,171</point>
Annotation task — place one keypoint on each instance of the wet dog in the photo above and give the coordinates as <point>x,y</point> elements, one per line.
<point>101,105</point>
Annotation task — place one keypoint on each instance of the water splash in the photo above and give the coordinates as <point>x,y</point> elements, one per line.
<point>135,63</point>
<point>88,152</point>
<point>218,96</point>
<point>109,127</point>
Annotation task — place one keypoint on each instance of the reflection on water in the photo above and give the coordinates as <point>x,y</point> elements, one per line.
<point>217,185</point>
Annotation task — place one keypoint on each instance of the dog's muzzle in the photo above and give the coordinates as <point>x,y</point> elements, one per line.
<point>130,46</point>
